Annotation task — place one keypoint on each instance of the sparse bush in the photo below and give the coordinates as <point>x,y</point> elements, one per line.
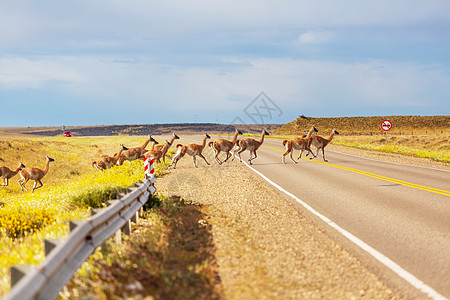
<point>97,198</point>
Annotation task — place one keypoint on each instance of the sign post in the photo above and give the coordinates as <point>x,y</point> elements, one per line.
<point>386,125</point>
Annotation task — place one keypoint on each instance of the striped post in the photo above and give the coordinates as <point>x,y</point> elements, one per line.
<point>149,169</point>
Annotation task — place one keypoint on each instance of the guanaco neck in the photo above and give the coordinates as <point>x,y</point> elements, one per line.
<point>261,139</point>
<point>17,170</point>
<point>167,145</point>
<point>47,166</point>
<point>120,152</point>
<point>233,141</point>
<point>171,140</point>
<point>146,143</point>
<point>308,136</point>
<point>330,137</point>
<point>204,142</point>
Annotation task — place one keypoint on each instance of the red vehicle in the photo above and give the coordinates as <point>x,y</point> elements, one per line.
<point>67,134</point>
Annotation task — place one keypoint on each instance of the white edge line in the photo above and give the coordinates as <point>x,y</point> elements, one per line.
<point>414,281</point>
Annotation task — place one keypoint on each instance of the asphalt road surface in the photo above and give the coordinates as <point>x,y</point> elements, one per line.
<point>401,212</point>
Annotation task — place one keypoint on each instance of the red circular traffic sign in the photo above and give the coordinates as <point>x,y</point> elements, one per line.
<point>386,125</point>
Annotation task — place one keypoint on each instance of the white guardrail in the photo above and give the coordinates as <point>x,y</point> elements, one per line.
<point>64,258</point>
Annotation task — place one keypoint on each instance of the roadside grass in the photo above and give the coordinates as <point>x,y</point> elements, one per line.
<point>173,251</point>
<point>71,188</point>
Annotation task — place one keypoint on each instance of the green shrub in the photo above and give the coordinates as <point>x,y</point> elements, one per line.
<point>97,198</point>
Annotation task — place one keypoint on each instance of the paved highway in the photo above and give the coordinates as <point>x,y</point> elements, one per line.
<point>400,213</point>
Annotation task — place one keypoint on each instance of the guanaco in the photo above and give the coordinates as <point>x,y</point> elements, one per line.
<point>34,174</point>
<point>154,143</point>
<point>299,143</point>
<point>321,142</point>
<point>158,153</point>
<point>107,162</point>
<point>6,173</point>
<point>223,145</point>
<point>165,149</point>
<point>191,149</point>
<point>251,145</point>
<point>134,153</point>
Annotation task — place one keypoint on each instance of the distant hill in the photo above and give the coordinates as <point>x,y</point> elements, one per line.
<point>367,125</point>
<point>141,129</point>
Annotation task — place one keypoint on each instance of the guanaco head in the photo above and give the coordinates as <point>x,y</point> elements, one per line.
<point>266,133</point>
<point>21,165</point>
<point>153,140</point>
<point>207,136</point>
<point>49,158</point>
<point>335,131</point>
<point>176,136</point>
<point>239,132</point>
<point>123,148</point>
<point>314,129</point>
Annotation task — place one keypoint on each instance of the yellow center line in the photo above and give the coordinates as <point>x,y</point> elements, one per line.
<point>373,175</point>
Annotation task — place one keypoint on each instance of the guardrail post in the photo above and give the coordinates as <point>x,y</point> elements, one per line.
<point>135,218</point>
<point>74,223</point>
<point>18,272</point>
<point>51,244</point>
<point>126,228</point>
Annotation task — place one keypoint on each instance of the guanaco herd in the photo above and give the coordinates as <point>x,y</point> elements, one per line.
<point>158,152</point>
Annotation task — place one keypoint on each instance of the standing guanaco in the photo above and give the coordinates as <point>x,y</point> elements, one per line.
<point>223,145</point>
<point>251,145</point>
<point>34,174</point>
<point>191,149</point>
<point>298,143</point>
<point>6,173</point>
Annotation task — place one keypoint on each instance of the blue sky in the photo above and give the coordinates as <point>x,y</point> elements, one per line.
<point>138,62</point>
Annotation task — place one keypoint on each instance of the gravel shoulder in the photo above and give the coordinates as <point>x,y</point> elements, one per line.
<point>266,248</point>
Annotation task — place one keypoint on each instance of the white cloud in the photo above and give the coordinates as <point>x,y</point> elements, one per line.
<point>22,73</point>
<point>316,37</point>
<point>287,80</point>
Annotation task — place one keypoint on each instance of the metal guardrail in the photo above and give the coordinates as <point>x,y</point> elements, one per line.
<point>49,278</point>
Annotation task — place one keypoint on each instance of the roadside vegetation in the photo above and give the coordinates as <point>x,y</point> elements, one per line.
<point>71,188</point>
<point>173,250</point>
